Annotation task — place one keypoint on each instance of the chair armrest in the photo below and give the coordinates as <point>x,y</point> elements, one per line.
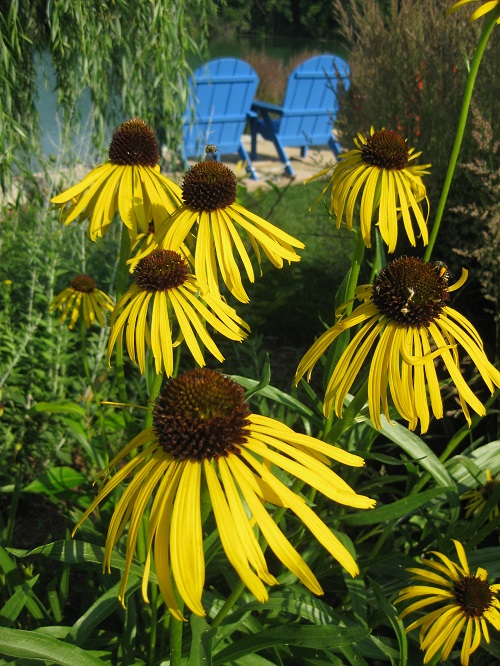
<point>266,107</point>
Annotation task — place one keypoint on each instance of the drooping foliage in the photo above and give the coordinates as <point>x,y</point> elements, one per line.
<point>131,55</point>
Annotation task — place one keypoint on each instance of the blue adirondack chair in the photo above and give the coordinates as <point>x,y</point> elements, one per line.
<point>309,109</point>
<point>220,96</point>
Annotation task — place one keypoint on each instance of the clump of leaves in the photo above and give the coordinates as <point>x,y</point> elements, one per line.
<point>483,214</point>
<point>273,76</point>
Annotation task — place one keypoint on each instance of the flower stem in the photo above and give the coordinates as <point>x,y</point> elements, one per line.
<point>121,285</point>
<point>483,40</point>
<point>98,459</point>
<point>350,412</point>
<point>155,389</point>
<point>357,258</point>
<point>153,625</point>
<point>176,628</point>
<point>343,339</point>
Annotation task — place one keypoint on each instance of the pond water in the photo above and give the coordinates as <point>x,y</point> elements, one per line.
<point>50,119</point>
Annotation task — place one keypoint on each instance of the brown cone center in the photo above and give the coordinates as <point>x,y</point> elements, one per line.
<point>134,143</point>
<point>201,415</point>
<point>161,270</point>
<point>209,186</point>
<point>474,595</point>
<point>83,283</point>
<point>386,149</point>
<point>411,292</point>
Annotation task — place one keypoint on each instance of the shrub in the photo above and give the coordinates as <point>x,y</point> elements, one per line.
<point>404,76</point>
<point>273,74</point>
<point>483,249</point>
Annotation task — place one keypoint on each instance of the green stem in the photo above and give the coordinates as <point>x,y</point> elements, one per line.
<point>238,590</point>
<point>176,627</point>
<point>153,625</point>
<point>357,259</point>
<point>83,340</point>
<point>483,40</point>
<point>349,414</point>
<point>122,273</point>
<point>155,389</point>
<point>121,286</point>
<point>352,283</point>
<point>83,333</point>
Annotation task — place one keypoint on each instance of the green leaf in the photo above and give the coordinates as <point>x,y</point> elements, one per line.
<point>80,552</point>
<point>99,611</point>
<point>264,380</point>
<point>357,591</point>
<point>392,615</point>
<point>464,469</point>
<point>395,510</point>
<point>418,450</point>
<point>276,395</point>
<point>315,637</point>
<point>14,579</point>
<point>201,642</point>
<point>293,599</point>
<point>30,645</point>
<point>487,558</point>
<point>56,481</point>
<point>59,407</point>
<point>11,609</point>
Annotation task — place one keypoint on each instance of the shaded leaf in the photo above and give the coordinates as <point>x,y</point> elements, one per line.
<point>31,645</point>
<point>395,510</point>
<point>315,637</point>
<point>56,480</point>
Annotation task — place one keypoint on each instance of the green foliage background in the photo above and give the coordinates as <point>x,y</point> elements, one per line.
<point>55,602</point>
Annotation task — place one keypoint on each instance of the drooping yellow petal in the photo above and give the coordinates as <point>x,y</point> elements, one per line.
<point>251,545</point>
<point>229,532</point>
<point>273,535</point>
<point>163,519</point>
<point>307,516</point>
<point>186,538</point>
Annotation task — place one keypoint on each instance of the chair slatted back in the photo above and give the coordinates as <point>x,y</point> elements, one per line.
<point>310,106</point>
<point>219,100</point>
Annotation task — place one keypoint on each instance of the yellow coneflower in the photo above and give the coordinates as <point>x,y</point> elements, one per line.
<point>480,11</point>
<point>382,168</point>
<point>209,195</point>
<point>406,318</point>
<point>470,602</point>
<point>203,433</point>
<point>164,288</point>
<point>130,183</point>
<point>83,294</point>
<point>477,498</point>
